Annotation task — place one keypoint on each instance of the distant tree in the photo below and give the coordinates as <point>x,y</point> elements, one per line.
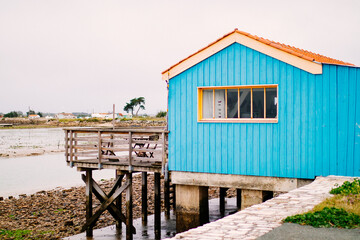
<point>30,112</point>
<point>12,114</point>
<point>129,107</point>
<point>140,102</point>
<point>161,114</point>
<point>40,114</point>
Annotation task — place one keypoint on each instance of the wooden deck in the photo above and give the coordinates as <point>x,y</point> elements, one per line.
<point>126,149</point>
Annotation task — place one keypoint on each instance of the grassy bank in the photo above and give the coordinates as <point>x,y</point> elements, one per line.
<point>341,210</point>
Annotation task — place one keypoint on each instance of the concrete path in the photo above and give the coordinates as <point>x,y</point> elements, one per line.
<point>290,231</point>
<point>260,219</point>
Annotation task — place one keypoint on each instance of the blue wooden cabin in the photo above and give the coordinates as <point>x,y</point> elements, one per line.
<point>245,105</point>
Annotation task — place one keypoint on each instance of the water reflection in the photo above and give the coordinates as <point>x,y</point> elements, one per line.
<point>168,227</point>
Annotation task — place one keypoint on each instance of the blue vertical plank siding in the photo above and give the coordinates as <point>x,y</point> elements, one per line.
<point>281,170</point>
<point>318,129</point>
<point>351,130</point>
<point>356,162</point>
<point>324,110</point>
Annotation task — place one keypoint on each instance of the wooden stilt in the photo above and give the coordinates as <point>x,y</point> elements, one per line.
<point>107,203</point>
<point>157,205</point>
<point>174,198</point>
<point>88,193</point>
<point>238,199</point>
<point>129,213</point>
<point>144,206</point>
<point>118,202</point>
<point>222,200</point>
<point>167,198</point>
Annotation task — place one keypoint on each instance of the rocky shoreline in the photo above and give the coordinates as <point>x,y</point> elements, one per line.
<point>61,212</point>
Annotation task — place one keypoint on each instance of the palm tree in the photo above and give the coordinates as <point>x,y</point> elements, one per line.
<point>140,101</point>
<point>129,107</point>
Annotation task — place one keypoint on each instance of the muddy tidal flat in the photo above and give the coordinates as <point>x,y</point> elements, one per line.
<point>61,212</point>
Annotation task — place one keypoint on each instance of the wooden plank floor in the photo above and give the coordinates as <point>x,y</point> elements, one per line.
<point>122,164</point>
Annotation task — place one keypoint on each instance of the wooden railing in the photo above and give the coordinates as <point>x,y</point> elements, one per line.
<point>116,146</point>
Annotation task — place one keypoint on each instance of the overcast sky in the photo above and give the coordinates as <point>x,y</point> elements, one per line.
<point>72,55</point>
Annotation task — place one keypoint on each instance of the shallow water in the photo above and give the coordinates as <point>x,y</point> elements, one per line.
<point>26,175</point>
<point>31,138</point>
<point>168,227</point>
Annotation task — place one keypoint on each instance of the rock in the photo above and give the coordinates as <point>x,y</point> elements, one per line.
<point>69,223</point>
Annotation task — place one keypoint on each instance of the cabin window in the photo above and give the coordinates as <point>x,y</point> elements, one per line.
<point>238,104</point>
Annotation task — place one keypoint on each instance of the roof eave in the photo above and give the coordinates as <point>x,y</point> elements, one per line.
<point>305,63</point>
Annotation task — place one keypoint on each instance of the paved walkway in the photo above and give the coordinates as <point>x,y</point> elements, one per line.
<point>298,232</point>
<point>257,220</point>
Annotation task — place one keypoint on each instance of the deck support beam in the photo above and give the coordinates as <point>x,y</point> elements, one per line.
<point>118,202</point>
<point>144,205</point>
<point>174,198</point>
<point>157,206</point>
<point>129,208</point>
<point>238,199</point>
<point>222,200</point>
<point>167,198</point>
<point>107,202</point>
<point>88,193</point>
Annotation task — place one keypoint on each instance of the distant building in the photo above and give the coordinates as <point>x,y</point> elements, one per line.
<point>33,116</point>
<point>127,115</point>
<point>104,115</point>
<point>65,116</point>
<point>49,117</point>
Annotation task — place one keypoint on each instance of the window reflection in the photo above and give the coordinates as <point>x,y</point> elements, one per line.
<point>258,103</point>
<point>245,103</point>
<point>232,103</point>
<point>271,102</point>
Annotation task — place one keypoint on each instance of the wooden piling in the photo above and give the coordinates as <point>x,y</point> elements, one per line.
<point>144,206</point>
<point>222,200</point>
<point>167,198</point>
<point>118,201</point>
<point>129,213</point>
<point>174,198</point>
<point>238,199</point>
<point>157,203</point>
<point>88,193</point>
